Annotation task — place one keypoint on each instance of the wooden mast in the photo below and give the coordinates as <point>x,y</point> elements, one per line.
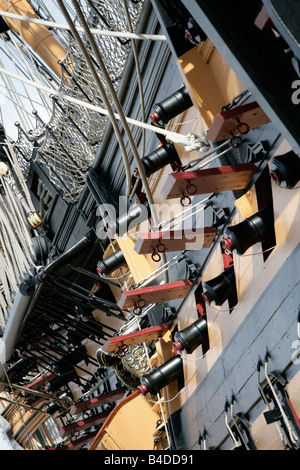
<point>40,39</point>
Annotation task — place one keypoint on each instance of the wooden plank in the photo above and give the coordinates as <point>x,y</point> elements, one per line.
<point>36,384</point>
<point>211,180</point>
<point>137,337</point>
<point>207,94</point>
<point>155,294</point>
<point>34,401</point>
<point>83,424</point>
<point>104,399</point>
<point>175,240</point>
<point>229,123</point>
<point>75,443</point>
<point>263,20</point>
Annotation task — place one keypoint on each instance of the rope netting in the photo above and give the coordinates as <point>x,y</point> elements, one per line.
<point>70,138</point>
<point>16,256</point>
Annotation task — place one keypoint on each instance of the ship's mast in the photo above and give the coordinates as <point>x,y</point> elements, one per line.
<point>39,38</point>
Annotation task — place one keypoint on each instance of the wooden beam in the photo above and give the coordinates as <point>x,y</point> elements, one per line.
<point>175,240</point>
<point>76,443</point>
<point>154,294</point>
<point>36,384</point>
<point>83,424</point>
<point>212,180</point>
<point>104,399</point>
<point>238,120</point>
<point>137,337</point>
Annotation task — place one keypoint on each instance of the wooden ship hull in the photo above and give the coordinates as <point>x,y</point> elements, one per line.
<point>150,273</point>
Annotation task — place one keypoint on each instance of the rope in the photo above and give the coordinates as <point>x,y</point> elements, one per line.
<point>118,108</point>
<point>269,407</point>
<point>18,405</point>
<point>94,31</point>
<point>11,91</point>
<point>139,77</point>
<point>16,257</point>
<point>212,159</point>
<point>34,35</point>
<point>158,271</point>
<point>44,97</point>
<point>237,428</point>
<point>172,136</point>
<point>195,142</point>
<point>167,222</point>
<point>230,431</point>
<point>19,204</point>
<point>9,151</point>
<point>172,225</point>
<point>165,401</point>
<point>100,87</point>
<point>22,405</point>
<point>120,111</point>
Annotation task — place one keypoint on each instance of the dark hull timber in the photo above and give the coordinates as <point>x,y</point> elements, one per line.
<point>232,379</point>
<point>256,57</point>
<point>268,327</point>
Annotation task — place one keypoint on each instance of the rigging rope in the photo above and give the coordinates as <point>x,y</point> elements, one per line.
<point>16,256</point>
<point>188,140</point>
<point>139,77</point>
<point>119,109</point>
<point>100,88</point>
<point>94,31</point>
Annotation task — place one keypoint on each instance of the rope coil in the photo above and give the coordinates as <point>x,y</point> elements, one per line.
<point>196,142</point>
